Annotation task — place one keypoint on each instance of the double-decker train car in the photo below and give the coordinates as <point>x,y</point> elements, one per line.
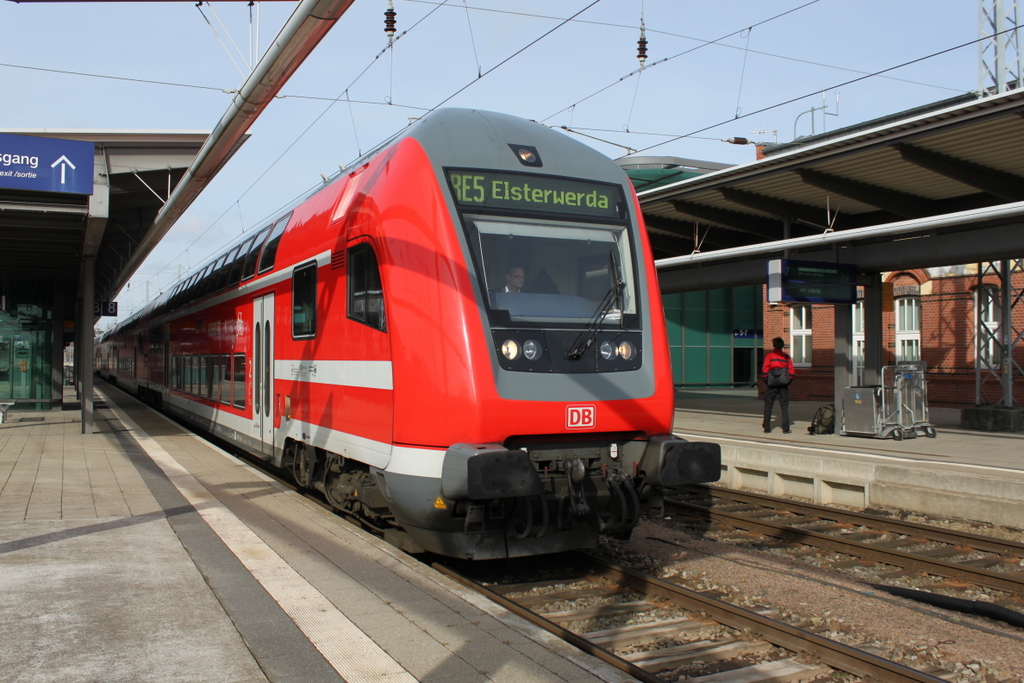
<point>460,339</point>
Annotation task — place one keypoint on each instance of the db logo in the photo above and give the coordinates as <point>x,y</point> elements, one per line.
<point>580,417</point>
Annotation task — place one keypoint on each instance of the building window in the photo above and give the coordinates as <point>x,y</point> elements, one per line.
<point>908,329</point>
<point>986,301</point>
<point>800,333</point>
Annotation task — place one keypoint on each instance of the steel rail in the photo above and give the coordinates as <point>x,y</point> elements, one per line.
<point>978,542</point>
<point>565,634</point>
<point>898,558</point>
<point>823,650</point>
<point>829,652</point>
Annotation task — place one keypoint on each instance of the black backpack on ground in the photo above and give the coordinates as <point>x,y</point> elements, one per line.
<point>824,421</point>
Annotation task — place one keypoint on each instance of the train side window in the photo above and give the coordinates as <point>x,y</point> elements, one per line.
<point>216,380</point>
<point>204,384</point>
<point>304,302</point>
<point>365,295</point>
<point>185,294</point>
<point>220,274</point>
<point>270,250</point>
<point>196,388</point>
<point>249,263</point>
<point>225,384</point>
<point>225,269</point>
<point>191,291</point>
<point>173,296</point>
<point>209,280</point>
<point>235,273</point>
<point>238,383</point>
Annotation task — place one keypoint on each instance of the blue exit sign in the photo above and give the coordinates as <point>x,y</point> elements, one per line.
<point>46,164</point>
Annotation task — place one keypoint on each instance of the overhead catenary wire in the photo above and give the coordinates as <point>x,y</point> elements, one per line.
<point>743,71</point>
<point>515,54</point>
<point>359,76</point>
<point>472,41</point>
<point>680,54</point>
<point>294,142</point>
<point>199,6</point>
<point>577,131</point>
<point>338,99</point>
<point>641,55</point>
<point>662,32</point>
<point>836,86</point>
<point>439,4</point>
<point>346,95</point>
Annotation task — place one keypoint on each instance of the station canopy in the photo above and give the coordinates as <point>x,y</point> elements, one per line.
<point>45,235</point>
<point>934,186</point>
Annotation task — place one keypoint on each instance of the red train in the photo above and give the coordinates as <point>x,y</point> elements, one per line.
<point>460,339</point>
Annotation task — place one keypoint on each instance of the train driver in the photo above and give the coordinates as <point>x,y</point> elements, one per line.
<point>514,278</point>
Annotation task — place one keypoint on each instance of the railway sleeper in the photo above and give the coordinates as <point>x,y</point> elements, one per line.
<point>666,658</point>
<point>557,596</point>
<point>641,634</point>
<point>599,612</point>
<point>778,671</point>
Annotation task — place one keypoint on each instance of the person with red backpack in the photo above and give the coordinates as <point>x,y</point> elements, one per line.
<point>778,372</point>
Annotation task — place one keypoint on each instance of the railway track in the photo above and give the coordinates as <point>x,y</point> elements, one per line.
<point>656,630</point>
<point>942,561</point>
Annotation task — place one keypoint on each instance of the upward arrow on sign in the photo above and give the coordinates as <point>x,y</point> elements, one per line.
<point>64,163</point>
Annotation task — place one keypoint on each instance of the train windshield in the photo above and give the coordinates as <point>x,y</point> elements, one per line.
<point>547,271</point>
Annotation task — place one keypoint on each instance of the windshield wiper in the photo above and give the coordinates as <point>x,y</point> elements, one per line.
<point>612,301</point>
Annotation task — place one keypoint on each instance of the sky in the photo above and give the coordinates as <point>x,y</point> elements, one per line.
<point>758,69</point>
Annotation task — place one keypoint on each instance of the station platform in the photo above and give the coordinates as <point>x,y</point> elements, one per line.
<point>143,553</point>
<point>961,473</point>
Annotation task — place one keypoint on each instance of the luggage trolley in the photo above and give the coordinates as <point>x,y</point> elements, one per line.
<point>898,408</point>
<point>904,406</point>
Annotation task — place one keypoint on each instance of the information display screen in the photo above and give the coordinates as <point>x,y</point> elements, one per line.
<point>812,282</point>
<point>531,192</point>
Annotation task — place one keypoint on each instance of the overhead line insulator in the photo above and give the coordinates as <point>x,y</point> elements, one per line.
<point>390,22</point>
<point>641,45</point>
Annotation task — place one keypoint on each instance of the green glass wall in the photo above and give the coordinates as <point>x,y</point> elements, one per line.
<point>715,336</point>
<point>26,339</point>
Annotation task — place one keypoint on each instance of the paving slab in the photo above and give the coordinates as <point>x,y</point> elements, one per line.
<point>142,552</point>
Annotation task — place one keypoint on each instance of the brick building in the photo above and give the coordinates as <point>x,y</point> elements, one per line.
<point>932,317</point>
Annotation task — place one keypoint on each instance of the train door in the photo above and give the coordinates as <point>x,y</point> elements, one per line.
<point>263,374</point>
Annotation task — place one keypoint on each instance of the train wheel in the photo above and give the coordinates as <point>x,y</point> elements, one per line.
<point>302,465</point>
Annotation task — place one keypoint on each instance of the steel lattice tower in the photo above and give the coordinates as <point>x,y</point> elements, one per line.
<point>999,50</point>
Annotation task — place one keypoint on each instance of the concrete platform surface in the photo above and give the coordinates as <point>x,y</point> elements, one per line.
<point>143,553</point>
<point>961,473</point>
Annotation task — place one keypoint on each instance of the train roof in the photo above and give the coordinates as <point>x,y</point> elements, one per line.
<point>445,135</point>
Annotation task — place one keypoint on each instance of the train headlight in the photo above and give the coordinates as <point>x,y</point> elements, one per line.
<point>532,349</point>
<point>607,350</point>
<point>626,350</point>
<point>510,349</point>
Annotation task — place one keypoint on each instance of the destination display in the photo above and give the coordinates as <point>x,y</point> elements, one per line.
<point>812,282</point>
<point>527,192</point>
<point>29,162</point>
